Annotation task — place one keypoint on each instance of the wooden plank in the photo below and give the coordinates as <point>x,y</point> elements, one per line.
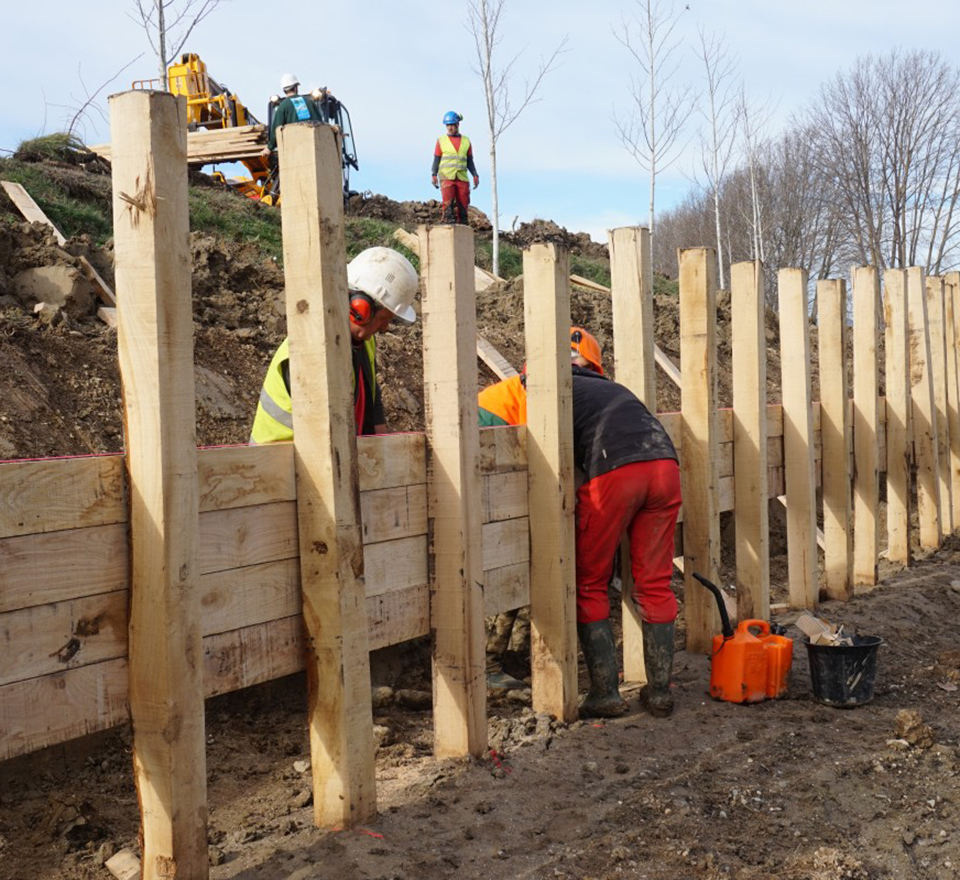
<point>866,424</point>
<point>936,326</point>
<point>668,366</point>
<point>253,655</point>
<point>505,588</point>
<point>108,316</point>
<point>506,542</point>
<point>155,347</point>
<point>241,476</point>
<point>546,313</point>
<point>124,865</point>
<point>580,281</point>
<point>924,413</point>
<point>952,320</point>
<point>387,460</point>
<point>58,566</point>
<point>328,477</point>
<point>215,145</point>
<point>503,449</point>
<point>55,494</point>
<point>29,208</point>
<point>454,492</point>
<point>505,496</point>
<point>398,616</point>
<point>751,511</point>
<point>56,708</point>
<point>631,280</point>
<point>254,594</point>
<point>388,514</point>
<point>698,456</point>
<point>798,440</point>
<point>494,360</point>
<point>63,635</point>
<point>248,535</point>
<point>101,286</point>
<point>395,565</point>
<point>835,430</point>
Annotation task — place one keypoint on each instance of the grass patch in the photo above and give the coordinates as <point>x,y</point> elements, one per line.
<point>57,147</point>
<point>236,218</point>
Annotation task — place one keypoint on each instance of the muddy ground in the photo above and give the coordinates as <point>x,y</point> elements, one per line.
<point>788,789</point>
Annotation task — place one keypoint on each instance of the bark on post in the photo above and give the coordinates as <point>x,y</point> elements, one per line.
<point>155,347</point>
<point>749,343</point>
<point>897,381</point>
<point>866,424</point>
<point>631,282</point>
<point>454,499</point>
<point>699,451</point>
<point>328,497</point>
<point>546,315</point>
<point>938,378</point>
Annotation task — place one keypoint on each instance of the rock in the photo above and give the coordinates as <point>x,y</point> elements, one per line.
<point>62,286</point>
<point>216,856</point>
<point>908,838</point>
<point>382,735</point>
<point>909,726</point>
<point>590,767</point>
<point>414,699</point>
<point>381,696</point>
<point>302,799</point>
<point>105,851</point>
<point>301,766</point>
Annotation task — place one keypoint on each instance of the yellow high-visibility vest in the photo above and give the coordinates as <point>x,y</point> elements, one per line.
<point>453,162</point>
<point>274,419</point>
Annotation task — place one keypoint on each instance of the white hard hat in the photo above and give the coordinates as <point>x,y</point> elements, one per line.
<point>388,277</point>
<point>288,81</point>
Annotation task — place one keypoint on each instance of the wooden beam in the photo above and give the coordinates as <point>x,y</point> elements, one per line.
<point>453,492</point>
<point>699,447</point>
<point>924,413</point>
<point>631,278</point>
<point>835,438</point>
<point>494,360</point>
<point>546,313</point>
<point>936,325</point>
<point>952,318</point>
<point>751,505</point>
<point>155,346</point>
<point>325,455</point>
<point>866,424</point>
<point>29,208</point>
<point>898,406</point>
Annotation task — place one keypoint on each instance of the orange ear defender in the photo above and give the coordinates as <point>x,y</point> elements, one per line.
<point>362,307</point>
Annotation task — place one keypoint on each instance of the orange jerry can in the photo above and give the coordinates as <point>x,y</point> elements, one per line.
<point>748,668</point>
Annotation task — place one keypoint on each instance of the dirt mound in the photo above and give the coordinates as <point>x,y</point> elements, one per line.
<point>409,214</point>
<point>548,231</point>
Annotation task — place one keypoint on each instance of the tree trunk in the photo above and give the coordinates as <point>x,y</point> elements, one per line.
<point>494,208</point>
<point>162,44</point>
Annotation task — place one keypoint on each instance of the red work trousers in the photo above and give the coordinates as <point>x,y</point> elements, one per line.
<point>455,195</point>
<point>642,499</point>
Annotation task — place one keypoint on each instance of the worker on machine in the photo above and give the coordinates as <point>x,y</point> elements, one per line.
<point>452,159</point>
<point>293,107</point>
<point>631,484</point>
<point>382,284</point>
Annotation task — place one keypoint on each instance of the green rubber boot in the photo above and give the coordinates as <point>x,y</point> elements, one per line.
<point>600,652</point>
<point>658,658</point>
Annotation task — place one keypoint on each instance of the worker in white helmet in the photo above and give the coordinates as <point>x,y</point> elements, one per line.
<point>292,107</point>
<point>382,285</point>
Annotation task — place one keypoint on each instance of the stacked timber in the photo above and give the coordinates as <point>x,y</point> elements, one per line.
<point>216,145</point>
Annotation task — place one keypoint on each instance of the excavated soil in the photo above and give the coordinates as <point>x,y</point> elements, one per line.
<point>787,789</point>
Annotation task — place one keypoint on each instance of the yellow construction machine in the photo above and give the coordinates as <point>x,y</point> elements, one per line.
<point>213,107</point>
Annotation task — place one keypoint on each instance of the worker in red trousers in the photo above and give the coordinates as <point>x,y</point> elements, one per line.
<point>631,485</point>
<point>452,159</point>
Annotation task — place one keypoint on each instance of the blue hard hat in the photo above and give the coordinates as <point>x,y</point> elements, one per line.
<point>451,118</point>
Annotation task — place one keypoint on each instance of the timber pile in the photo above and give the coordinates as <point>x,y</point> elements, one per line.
<point>217,145</point>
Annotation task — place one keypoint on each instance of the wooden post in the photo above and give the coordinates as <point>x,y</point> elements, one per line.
<point>328,497</point>
<point>631,281</point>
<point>546,315</point>
<point>155,347</point>
<point>699,452</point>
<point>897,381</point>
<point>938,378</point>
<point>952,319</point>
<point>751,511</point>
<point>866,424</point>
<point>798,446</point>
<point>835,438</point>
<point>454,500</point>
<point>924,415</point>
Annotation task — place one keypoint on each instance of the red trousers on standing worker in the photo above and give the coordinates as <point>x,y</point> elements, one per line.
<point>642,499</point>
<point>455,195</point>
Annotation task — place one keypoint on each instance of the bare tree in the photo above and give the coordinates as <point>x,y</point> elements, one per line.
<point>753,120</point>
<point>720,110</point>
<point>651,131</point>
<point>168,25</point>
<point>483,22</point>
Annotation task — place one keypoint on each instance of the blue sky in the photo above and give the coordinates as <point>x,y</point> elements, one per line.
<point>399,66</point>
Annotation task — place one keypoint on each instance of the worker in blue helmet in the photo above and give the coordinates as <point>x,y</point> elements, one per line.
<point>452,161</point>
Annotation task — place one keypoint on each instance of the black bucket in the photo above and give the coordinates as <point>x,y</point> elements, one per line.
<point>843,675</point>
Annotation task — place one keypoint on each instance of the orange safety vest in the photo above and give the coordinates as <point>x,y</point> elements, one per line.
<point>503,403</point>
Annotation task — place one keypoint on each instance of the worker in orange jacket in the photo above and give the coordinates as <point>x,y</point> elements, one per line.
<point>632,485</point>
<point>452,159</point>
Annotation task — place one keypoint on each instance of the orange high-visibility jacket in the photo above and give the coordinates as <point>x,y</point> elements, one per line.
<point>503,403</point>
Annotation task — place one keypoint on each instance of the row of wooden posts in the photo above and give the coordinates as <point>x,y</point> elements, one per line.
<point>156,357</point>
